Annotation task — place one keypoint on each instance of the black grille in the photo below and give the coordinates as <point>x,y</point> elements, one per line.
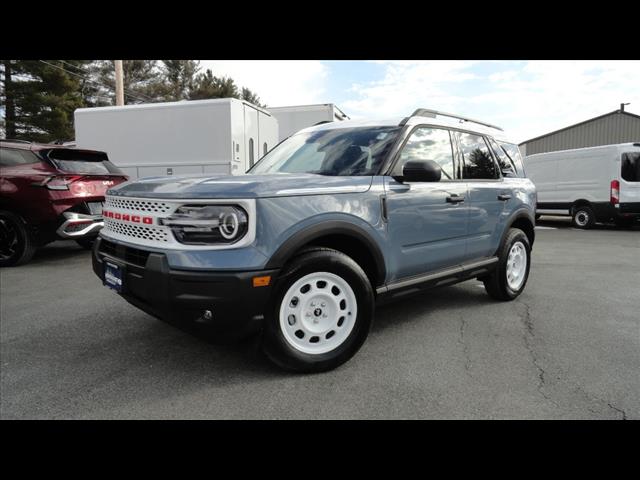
<point>128,254</point>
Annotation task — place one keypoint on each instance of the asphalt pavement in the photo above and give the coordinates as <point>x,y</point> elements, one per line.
<point>567,348</point>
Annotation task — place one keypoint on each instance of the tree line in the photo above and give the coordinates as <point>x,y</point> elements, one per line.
<point>38,97</point>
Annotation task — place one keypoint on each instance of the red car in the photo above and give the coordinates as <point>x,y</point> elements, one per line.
<point>50,192</point>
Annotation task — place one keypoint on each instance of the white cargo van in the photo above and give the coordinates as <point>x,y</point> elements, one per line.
<point>224,136</point>
<point>295,118</point>
<point>596,184</point>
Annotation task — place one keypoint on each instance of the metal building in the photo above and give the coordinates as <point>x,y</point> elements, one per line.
<point>614,127</point>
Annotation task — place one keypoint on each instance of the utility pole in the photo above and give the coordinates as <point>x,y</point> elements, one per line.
<point>119,83</point>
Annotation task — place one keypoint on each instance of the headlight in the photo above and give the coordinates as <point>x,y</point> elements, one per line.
<point>208,224</point>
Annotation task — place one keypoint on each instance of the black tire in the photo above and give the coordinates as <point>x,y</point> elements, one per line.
<point>86,243</point>
<point>282,352</point>
<point>496,283</point>
<point>583,217</point>
<point>17,245</point>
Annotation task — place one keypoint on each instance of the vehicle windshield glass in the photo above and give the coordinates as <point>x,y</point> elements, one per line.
<point>630,166</point>
<point>335,152</point>
<point>83,162</point>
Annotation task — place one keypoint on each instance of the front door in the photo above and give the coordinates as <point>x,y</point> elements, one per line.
<point>427,221</point>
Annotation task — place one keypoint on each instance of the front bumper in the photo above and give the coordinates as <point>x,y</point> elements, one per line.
<point>185,295</point>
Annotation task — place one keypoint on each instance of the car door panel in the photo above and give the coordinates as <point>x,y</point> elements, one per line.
<point>487,192</point>
<point>426,231</point>
<point>427,221</point>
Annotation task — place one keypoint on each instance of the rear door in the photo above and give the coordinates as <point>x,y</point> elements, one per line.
<point>487,195</point>
<point>427,221</point>
<point>630,177</point>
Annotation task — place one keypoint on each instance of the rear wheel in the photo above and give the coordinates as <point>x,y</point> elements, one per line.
<point>16,243</point>
<point>322,313</point>
<point>583,217</point>
<point>509,278</point>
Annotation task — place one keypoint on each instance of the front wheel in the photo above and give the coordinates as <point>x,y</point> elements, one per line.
<point>508,280</point>
<point>322,313</point>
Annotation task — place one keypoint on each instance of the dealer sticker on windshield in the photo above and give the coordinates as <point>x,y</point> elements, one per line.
<point>113,276</point>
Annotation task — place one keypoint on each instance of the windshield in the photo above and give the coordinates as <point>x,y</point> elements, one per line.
<point>83,161</point>
<point>335,152</point>
<point>630,166</point>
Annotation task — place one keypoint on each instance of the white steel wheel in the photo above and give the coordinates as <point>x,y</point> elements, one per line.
<point>318,313</point>
<point>516,266</point>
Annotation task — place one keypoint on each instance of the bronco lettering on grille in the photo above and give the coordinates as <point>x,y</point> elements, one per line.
<point>125,217</point>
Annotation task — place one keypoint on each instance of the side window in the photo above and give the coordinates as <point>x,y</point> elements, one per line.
<point>478,162</point>
<point>265,149</point>
<point>251,158</point>
<point>507,166</point>
<point>428,144</point>
<point>10,157</point>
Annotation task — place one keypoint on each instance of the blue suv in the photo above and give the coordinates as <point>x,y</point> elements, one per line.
<point>334,220</point>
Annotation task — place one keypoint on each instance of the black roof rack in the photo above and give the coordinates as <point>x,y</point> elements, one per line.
<point>425,112</point>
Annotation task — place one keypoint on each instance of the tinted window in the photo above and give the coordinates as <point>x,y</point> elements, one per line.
<point>428,144</point>
<point>82,161</point>
<point>10,157</point>
<point>630,166</point>
<point>507,166</point>
<point>337,151</point>
<point>513,152</point>
<point>478,162</point>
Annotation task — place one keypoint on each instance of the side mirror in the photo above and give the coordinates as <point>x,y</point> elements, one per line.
<point>421,171</point>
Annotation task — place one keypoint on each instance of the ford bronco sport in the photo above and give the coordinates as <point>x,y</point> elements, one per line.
<point>335,219</point>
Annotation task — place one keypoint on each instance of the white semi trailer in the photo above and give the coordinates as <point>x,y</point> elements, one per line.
<point>295,118</point>
<point>221,136</point>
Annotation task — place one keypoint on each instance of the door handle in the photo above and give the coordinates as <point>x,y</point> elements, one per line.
<point>455,198</point>
<point>504,196</point>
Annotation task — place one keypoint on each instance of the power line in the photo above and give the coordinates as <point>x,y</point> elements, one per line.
<point>103,84</point>
<point>144,97</point>
<point>96,82</point>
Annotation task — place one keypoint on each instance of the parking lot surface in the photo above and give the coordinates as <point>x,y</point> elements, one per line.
<point>567,348</point>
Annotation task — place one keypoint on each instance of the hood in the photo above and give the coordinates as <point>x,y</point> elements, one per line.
<point>242,186</point>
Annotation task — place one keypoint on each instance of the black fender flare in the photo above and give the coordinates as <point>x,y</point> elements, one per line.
<point>331,227</point>
<point>517,215</point>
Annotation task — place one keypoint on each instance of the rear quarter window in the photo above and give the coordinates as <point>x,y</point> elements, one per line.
<point>513,152</point>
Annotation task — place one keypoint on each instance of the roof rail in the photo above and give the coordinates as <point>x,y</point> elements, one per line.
<point>425,112</point>
<point>14,140</point>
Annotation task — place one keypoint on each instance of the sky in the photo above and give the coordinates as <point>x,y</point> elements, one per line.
<point>525,98</point>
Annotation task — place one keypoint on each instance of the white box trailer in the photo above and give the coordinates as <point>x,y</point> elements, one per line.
<point>221,136</point>
<point>594,184</point>
<point>295,118</point>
